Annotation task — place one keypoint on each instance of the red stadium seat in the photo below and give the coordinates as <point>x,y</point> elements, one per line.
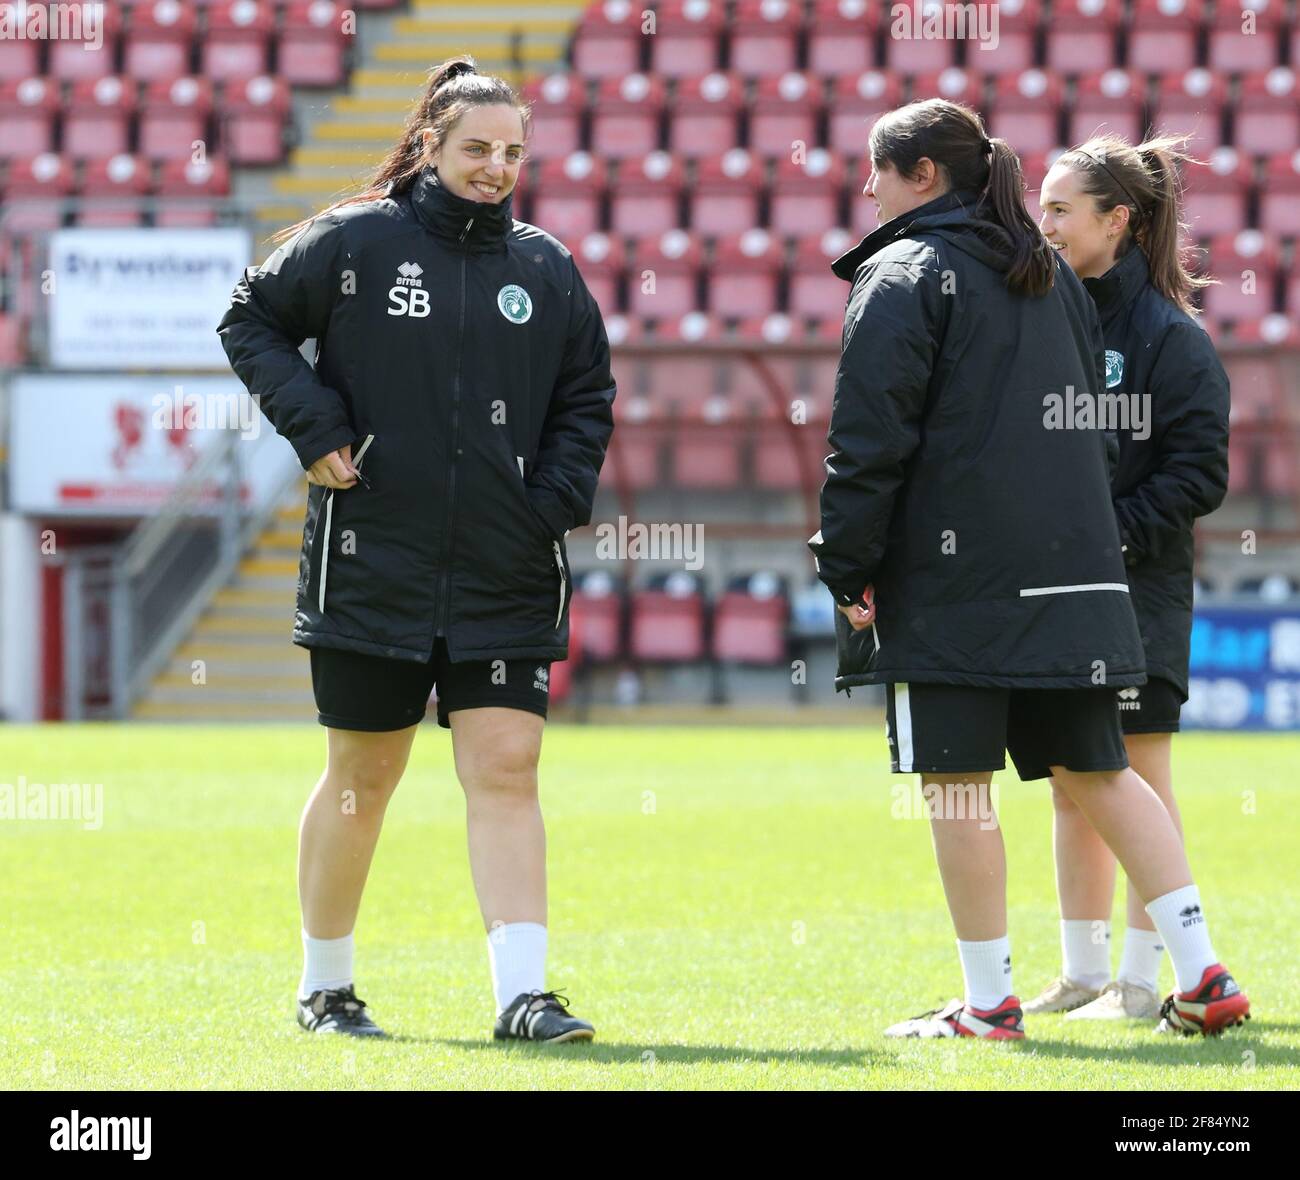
<point>814,291</point>
<point>1245,266</point>
<point>1236,48</point>
<point>557,101</point>
<point>13,351</point>
<point>33,190</point>
<point>97,121</point>
<point>749,621</point>
<point>597,612</point>
<point>173,116</point>
<point>183,184</point>
<point>20,57</point>
<point>784,113</point>
<point>607,43</point>
<point>807,194</point>
<point>725,192</point>
<point>687,37</point>
<point>704,115</point>
<point>1083,31</point>
<point>88,56</point>
<point>159,41</point>
<point>907,50</point>
<point>856,105</point>
<point>667,621</point>
<point>1026,111</point>
<point>790,453</point>
<point>1267,119</point>
<point>706,446</point>
<point>601,262</point>
<point>112,190</point>
<point>567,194</point>
<point>237,43</point>
<point>1162,35</point>
<point>953,84</point>
<point>1013,53</point>
<point>646,199</point>
<point>841,38</point>
<point>1279,199</point>
<point>763,37</point>
<point>312,44</point>
<point>1193,104</point>
<point>626,116</point>
<point>663,279</point>
<point>253,116</point>
<point>743,277</point>
<point>27,112</point>
<point>1215,199</point>
<point>1108,103</point>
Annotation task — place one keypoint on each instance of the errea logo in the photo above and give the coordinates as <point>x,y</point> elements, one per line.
<point>1129,698</point>
<point>542,679</point>
<point>408,297</point>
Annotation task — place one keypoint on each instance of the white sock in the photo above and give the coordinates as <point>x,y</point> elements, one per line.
<point>1181,922</point>
<point>987,969</point>
<point>1085,951</point>
<point>1140,961</point>
<point>326,963</point>
<point>517,953</point>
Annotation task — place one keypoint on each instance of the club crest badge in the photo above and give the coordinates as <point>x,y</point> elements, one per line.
<point>515,304</point>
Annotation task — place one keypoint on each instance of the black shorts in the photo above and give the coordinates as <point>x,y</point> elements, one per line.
<point>376,694</point>
<point>1155,707</point>
<point>951,728</point>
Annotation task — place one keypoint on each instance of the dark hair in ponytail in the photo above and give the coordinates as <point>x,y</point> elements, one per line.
<point>953,137</point>
<point>1145,179</point>
<point>453,88</point>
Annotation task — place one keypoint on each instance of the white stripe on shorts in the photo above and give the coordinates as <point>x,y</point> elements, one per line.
<point>1035,590</point>
<point>903,719</point>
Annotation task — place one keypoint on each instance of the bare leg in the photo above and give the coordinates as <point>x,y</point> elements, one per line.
<point>1149,754</point>
<point>972,860</point>
<point>1085,867</point>
<point>341,823</point>
<point>497,751</point>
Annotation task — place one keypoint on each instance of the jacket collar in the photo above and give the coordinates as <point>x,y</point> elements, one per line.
<point>477,225</point>
<point>846,265</point>
<point>1114,291</point>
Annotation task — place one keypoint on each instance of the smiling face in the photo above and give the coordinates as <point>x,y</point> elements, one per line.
<point>895,194</point>
<point>481,156</point>
<point>1085,236</point>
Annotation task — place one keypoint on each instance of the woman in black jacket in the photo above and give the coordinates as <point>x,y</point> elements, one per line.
<point>452,429</point>
<point>968,538</point>
<point>1112,211</point>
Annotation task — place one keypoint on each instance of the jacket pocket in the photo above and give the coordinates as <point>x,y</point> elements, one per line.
<point>329,524</point>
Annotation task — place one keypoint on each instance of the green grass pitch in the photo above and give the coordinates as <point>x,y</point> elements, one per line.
<point>732,909</point>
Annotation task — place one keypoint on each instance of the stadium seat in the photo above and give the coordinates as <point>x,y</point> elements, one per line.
<point>687,37</point>
<point>743,278</point>
<point>704,115</point>
<point>566,195</point>
<point>1107,103</point>
<point>626,116</point>
<point>237,41</point>
<point>1216,198</point>
<point>1018,22</point>
<point>856,105</point>
<point>784,113</point>
<point>663,280</point>
<point>12,341</point>
<point>1233,48</point>
<point>27,112</point>
<point>113,189</point>
<point>667,620</point>
<point>1279,199</point>
<point>1026,111</point>
<point>807,194</point>
<point>764,36</point>
<point>97,118</point>
<point>1163,35</point>
<point>646,198</point>
<point>814,291</point>
<point>790,455</point>
<point>159,41</point>
<point>34,188</point>
<point>312,44</point>
<point>253,115</point>
<point>1192,103</point>
<point>21,57</point>
<point>1082,31</point>
<point>750,619</point>
<point>1245,265</point>
<point>173,115</point>
<point>842,38</point>
<point>597,612</point>
<point>953,84</point>
<point>601,262</point>
<point>725,192</point>
<point>910,53</point>
<point>88,57</point>
<point>632,463</point>
<point>608,40</point>
<point>183,183</point>
<point>705,454</point>
<point>1267,119</point>
<point>557,101</point>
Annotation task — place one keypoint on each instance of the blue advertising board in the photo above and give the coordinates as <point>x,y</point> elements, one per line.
<point>1245,669</point>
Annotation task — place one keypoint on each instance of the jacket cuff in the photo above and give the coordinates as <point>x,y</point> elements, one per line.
<point>317,446</point>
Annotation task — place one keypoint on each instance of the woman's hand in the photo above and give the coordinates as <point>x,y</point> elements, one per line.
<point>334,470</point>
<point>861,615</point>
